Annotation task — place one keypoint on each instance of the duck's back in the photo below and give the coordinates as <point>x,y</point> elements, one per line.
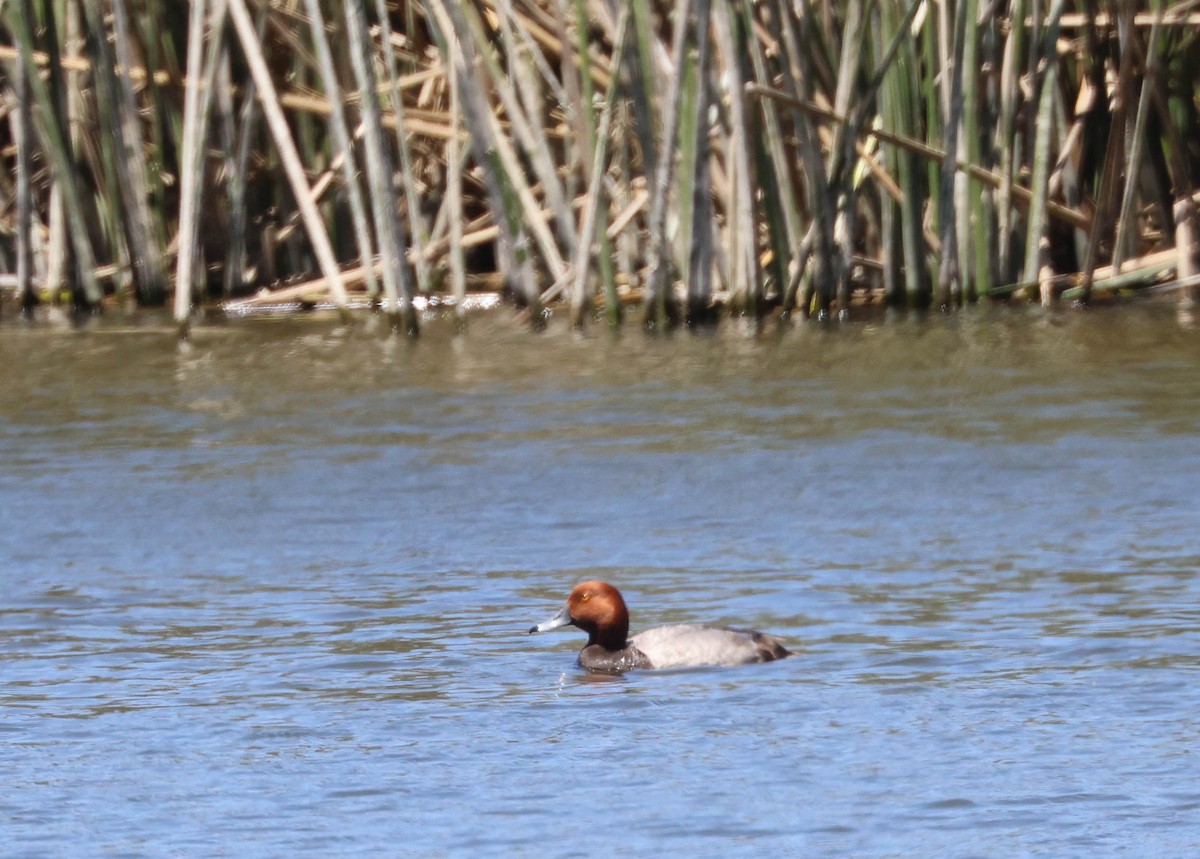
<point>682,645</point>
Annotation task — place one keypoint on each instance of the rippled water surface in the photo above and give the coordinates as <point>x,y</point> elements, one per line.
<point>267,596</point>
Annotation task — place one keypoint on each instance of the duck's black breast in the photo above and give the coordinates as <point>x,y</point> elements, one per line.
<point>595,657</point>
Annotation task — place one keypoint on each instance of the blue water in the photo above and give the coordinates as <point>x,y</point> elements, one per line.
<point>267,595</point>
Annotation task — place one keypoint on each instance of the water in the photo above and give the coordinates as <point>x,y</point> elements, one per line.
<point>268,595</point>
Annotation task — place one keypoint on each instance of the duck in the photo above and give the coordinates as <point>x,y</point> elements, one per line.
<point>598,609</point>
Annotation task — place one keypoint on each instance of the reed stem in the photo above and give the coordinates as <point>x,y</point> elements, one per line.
<point>286,147</point>
<point>758,151</point>
<point>193,147</point>
<point>393,252</point>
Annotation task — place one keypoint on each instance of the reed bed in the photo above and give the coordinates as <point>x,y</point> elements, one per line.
<point>666,160</point>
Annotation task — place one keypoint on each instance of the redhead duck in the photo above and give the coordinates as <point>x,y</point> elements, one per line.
<point>598,609</point>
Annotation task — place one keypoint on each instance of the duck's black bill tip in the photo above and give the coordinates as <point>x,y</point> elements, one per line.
<point>533,629</point>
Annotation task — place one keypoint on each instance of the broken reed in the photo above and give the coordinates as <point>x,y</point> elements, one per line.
<point>752,154</point>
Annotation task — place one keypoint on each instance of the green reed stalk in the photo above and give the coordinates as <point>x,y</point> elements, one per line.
<point>605,256</point>
<point>699,217</point>
<point>226,130</point>
<point>397,286</point>
<point>1109,174</point>
<point>949,273</point>
<point>780,193</point>
<point>165,104</point>
<point>779,258</point>
<point>215,60</point>
<point>745,280</point>
<point>1065,175</point>
<point>918,278</point>
<point>693,184</point>
<point>577,76</point>
<point>286,148</point>
<point>309,146</point>
<point>101,155</point>
<point>533,144</point>
<point>503,199</point>
<point>931,58</point>
<point>595,199</point>
<point>902,240</point>
<point>102,152</point>
<point>191,182</point>
<point>1042,156</point>
<point>145,248</point>
<point>691,97</point>
<point>159,107</point>
<point>239,129</point>
<point>458,269</point>
<point>22,135</point>
<point>1007,140</point>
<point>625,243</point>
<point>520,68</point>
<point>645,86</point>
<point>1178,120</point>
<point>1125,220</point>
<point>57,245</point>
<point>827,272</point>
<point>343,146</point>
<point>531,48</point>
<point>971,227</point>
<point>869,104</point>
<point>846,136</point>
<point>982,95</point>
<point>644,121</point>
<point>60,159</point>
<point>659,300</point>
<point>416,218</point>
<point>66,89</point>
<point>527,91</point>
<point>521,205</point>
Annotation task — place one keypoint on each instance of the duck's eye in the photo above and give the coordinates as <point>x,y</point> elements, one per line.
<point>585,597</point>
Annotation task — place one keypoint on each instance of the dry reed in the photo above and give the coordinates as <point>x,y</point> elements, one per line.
<point>757,155</point>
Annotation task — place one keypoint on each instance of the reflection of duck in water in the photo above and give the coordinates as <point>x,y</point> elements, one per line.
<point>597,608</point>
